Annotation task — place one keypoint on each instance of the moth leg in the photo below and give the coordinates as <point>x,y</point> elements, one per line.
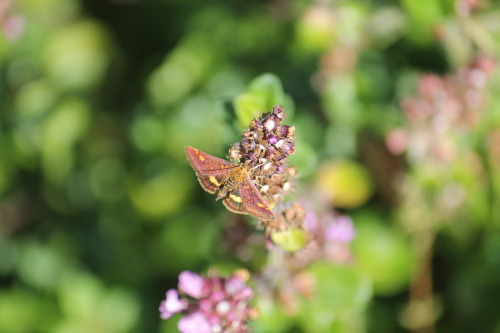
<point>258,181</point>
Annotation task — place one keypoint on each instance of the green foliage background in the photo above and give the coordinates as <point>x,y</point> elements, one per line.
<point>99,210</point>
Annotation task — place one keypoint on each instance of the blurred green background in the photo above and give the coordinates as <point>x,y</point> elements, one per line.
<point>99,210</point>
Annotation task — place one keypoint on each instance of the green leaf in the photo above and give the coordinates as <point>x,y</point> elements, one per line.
<point>291,239</point>
<point>383,254</point>
<point>341,102</point>
<point>264,92</point>
<point>315,30</point>
<point>90,306</point>
<point>161,195</point>
<point>425,14</point>
<point>341,294</point>
<point>269,88</point>
<point>194,227</point>
<point>247,106</point>
<point>77,56</point>
<point>272,316</point>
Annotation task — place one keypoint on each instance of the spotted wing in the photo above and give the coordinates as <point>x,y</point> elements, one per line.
<point>233,202</point>
<point>211,183</point>
<point>252,202</point>
<point>212,171</point>
<point>208,165</point>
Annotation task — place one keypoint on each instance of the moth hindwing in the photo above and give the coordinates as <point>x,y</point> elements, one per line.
<point>232,182</point>
<point>246,199</point>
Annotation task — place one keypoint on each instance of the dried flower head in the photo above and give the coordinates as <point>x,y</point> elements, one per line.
<point>264,149</point>
<point>215,304</point>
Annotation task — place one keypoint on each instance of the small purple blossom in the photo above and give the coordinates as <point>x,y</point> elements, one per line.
<point>234,285</point>
<point>192,284</point>
<point>172,304</point>
<point>272,139</point>
<point>311,219</point>
<point>194,323</point>
<point>340,230</point>
<point>14,27</point>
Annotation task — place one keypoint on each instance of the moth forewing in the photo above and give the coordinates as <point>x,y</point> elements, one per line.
<point>207,165</point>
<point>253,202</point>
<point>210,170</point>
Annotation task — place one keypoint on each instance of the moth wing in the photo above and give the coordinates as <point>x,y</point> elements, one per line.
<point>207,165</point>
<point>233,202</point>
<point>211,183</point>
<point>253,202</point>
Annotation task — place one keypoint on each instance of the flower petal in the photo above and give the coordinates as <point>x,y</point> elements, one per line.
<point>192,284</point>
<point>172,304</point>
<point>194,323</point>
<point>164,313</point>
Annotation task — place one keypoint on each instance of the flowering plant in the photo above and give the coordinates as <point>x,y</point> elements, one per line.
<point>221,304</point>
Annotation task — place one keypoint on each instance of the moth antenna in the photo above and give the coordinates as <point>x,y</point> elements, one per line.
<point>263,161</point>
<point>258,180</point>
<point>258,165</point>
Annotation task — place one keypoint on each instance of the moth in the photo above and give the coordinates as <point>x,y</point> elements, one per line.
<point>232,181</point>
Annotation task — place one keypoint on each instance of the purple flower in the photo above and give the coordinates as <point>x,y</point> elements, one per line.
<point>272,139</point>
<point>340,230</point>
<point>172,304</point>
<point>311,219</point>
<point>234,284</point>
<point>14,27</point>
<point>245,294</point>
<point>216,304</point>
<point>192,284</point>
<point>194,323</point>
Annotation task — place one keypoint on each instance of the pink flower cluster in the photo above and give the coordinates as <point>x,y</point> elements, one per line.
<point>210,304</point>
<point>443,107</point>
